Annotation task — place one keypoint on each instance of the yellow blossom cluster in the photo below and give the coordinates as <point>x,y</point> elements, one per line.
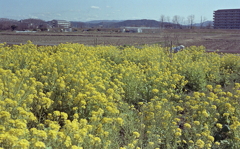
<point>76,96</point>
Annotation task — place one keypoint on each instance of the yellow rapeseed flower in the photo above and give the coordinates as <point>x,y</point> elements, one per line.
<point>107,120</point>
<point>68,141</point>
<point>198,135</point>
<point>97,140</point>
<point>191,141</point>
<point>211,138</point>
<point>39,144</point>
<point>52,134</point>
<point>219,125</point>
<point>136,134</point>
<point>205,113</point>
<point>64,115</point>
<point>218,86</point>
<point>196,122</point>
<point>226,114</point>
<point>177,134</point>
<point>119,120</point>
<point>200,143</point>
<point>155,91</point>
<point>150,143</point>
<point>187,125</point>
<point>209,87</point>
<point>23,144</point>
<point>76,147</point>
<point>4,114</point>
<point>217,143</point>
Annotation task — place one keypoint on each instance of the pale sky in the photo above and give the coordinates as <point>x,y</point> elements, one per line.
<point>87,10</point>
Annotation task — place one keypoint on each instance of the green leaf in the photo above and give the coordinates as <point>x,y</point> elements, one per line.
<point>225,128</point>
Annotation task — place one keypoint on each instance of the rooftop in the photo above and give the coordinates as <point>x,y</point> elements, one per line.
<point>226,9</point>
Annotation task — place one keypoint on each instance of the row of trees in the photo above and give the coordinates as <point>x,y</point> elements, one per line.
<point>180,22</point>
<point>38,24</point>
<point>33,24</point>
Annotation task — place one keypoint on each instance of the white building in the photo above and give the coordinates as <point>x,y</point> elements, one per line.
<point>60,23</point>
<point>131,29</point>
<point>139,29</point>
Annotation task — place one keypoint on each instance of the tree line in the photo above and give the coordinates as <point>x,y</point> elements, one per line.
<point>180,22</point>
<point>26,24</point>
<point>176,21</point>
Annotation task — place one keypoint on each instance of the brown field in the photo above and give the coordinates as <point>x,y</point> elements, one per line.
<point>212,39</point>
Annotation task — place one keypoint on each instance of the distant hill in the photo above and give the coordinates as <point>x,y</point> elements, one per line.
<point>102,24</point>
<point>132,23</point>
<point>94,23</point>
<point>77,24</point>
<point>100,21</point>
<point>137,23</point>
<point>6,19</point>
<point>119,23</point>
<point>204,24</point>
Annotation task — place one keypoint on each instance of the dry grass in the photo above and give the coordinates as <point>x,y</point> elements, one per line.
<point>223,40</point>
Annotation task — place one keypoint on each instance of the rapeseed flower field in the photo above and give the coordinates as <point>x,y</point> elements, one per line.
<point>73,96</point>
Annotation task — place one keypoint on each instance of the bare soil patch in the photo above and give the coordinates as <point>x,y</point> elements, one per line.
<point>222,40</point>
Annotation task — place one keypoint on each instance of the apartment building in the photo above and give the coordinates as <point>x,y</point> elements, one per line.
<point>226,19</point>
<point>61,23</point>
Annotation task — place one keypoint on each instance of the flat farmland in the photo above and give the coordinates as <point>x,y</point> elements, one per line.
<point>222,40</point>
<point>82,38</point>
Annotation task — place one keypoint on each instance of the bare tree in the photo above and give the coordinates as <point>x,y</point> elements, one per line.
<point>191,20</point>
<point>5,24</point>
<point>13,27</point>
<point>33,23</point>
<point>22,26</point>
<point>43,27</point>
<point>176,20</point>
<point>162,20</point>
<point>181,21</point>
<point>203,19</point>
<point>78,24</point>
<point>168,19</point>
<point>176,38</point>
<point>167,39</point>
<point>209,25</point>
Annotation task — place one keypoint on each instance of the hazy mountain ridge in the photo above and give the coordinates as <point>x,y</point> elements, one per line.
<point>206,23</point>
<point>100,21</point>
<point>137,23</point>
<point>118,23</point>
<point>6,23</point>
<point>131,23</point>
